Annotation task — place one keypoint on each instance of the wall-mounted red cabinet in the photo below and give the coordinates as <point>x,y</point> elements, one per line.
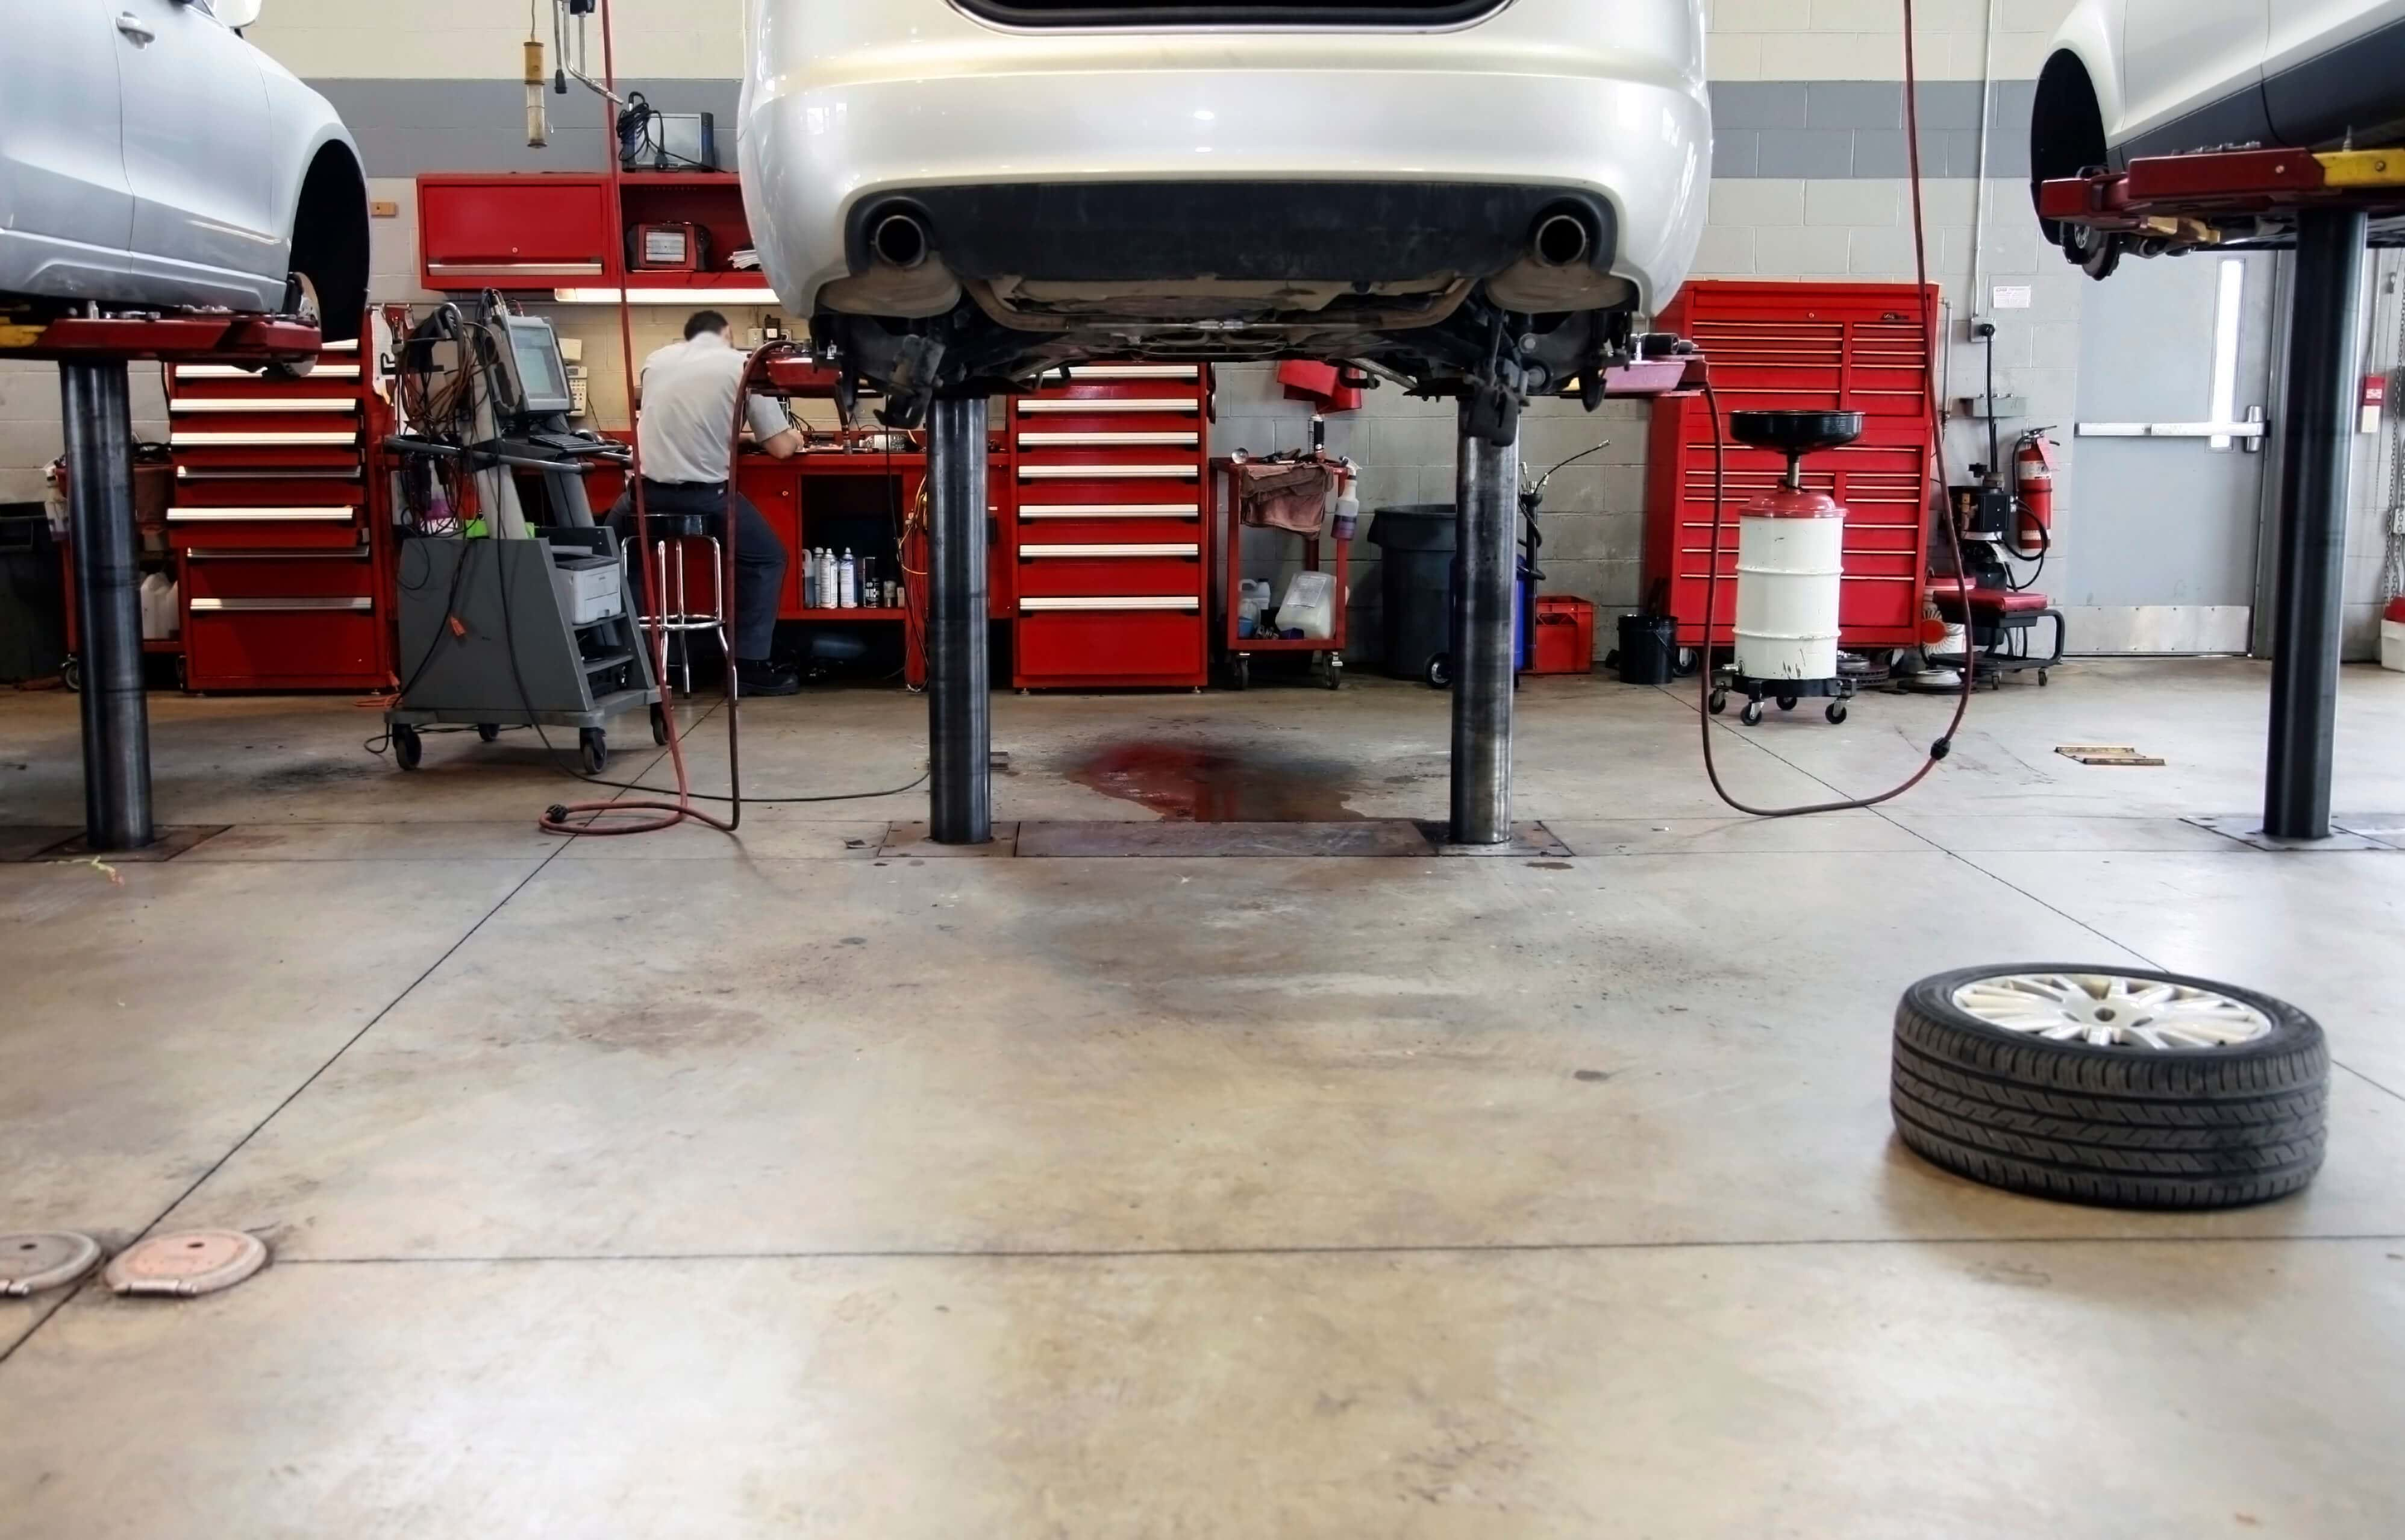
<point>545,230</point>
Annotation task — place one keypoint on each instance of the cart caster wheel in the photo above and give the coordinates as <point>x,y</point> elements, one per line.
<point>2041,679</point>
<point>1751,715</point>
<point>1838,714</point>
<point>1718,703</point>
<point>660,726</point>
<point>408,749</point>
<point>1240,674</point>
<point>1439,672</point>
<point>1787,702</point>
<point>183,673</point>
<point>593,750</point>
<point>1335,673</point>
<point>487,731</point>
<point>71,675</point>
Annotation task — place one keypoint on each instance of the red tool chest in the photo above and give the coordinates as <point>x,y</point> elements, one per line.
<point>1796,346</point>
<point>284,576</point>
<point>1109,581</point>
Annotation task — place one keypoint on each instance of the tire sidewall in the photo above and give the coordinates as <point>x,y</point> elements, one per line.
<point>1933,1000</point>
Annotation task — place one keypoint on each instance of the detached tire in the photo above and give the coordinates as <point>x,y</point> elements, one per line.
<point>2113,1086</point>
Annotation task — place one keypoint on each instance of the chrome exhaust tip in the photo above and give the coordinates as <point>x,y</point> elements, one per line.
<point>1561,240</point>
<point>900,240</point>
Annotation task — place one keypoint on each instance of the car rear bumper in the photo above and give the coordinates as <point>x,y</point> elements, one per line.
<point>825,147</point>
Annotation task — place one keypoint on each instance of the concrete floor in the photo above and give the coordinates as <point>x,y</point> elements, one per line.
<point>678,1186</point>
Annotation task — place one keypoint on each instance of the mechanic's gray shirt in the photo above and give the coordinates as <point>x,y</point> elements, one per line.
<point>689,409</point>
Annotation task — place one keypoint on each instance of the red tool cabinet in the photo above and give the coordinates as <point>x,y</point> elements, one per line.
<point>285,579</point>
<point>1796,346</point>
<point>551,229</point>
<point>1109,474</point>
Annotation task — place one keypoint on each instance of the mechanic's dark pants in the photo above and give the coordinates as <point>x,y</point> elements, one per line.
<point>760,557</point>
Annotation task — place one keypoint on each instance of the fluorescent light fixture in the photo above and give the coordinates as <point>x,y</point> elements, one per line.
<point>2225,311</point>
<point>756,298</point>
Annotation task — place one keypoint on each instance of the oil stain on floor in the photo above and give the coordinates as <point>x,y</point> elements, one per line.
<point>1215,784</point>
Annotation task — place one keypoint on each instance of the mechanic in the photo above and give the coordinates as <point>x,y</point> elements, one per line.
<point>688,395</point>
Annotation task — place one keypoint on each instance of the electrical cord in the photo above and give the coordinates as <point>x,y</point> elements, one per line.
<point>1944,745</point>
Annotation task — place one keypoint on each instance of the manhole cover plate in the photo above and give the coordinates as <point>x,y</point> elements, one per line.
<point>30,1264</point>
<point>194,1261</point>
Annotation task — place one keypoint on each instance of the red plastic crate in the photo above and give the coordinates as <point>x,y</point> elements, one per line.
<point>1565,637</point>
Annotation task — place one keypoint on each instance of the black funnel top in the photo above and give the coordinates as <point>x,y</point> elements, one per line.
<point>1794,433</point>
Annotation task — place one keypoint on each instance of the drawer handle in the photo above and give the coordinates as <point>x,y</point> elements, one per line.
<point>274,606</point>
<point>531,270</point>
<point>1032,552</point>
<point>1173,405</point>
<point>1110,473</point>
<point>229,405</point>
<point>1109,510</point>
<point>1133,601</point>
<point>228,372</point>
<point>247,516</point>
<point>261,441</point>
<point>1109,440</point>
<point>1135,372</point>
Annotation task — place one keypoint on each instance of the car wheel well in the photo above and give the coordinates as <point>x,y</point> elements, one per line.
<point>2066,126</point>
<point>329,239</point>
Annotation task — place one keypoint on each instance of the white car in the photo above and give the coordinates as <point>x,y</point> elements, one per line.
<point>150,156</point>
<point>970,191</point>
<point>2138,78</point>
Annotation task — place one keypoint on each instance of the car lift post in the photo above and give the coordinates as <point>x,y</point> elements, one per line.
<point>960,711</point>
<point>2307,630</point>
<point>94,403</point>
<point>1484,609</point>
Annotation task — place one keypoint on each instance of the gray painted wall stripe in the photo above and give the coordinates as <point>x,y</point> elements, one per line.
<point>1761,127</point>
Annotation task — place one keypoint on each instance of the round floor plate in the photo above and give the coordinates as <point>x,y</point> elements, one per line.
<point>30,1264</point>
<point>189,1263</point>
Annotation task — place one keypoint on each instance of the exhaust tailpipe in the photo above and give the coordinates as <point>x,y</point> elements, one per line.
<point>1561,240</point>
<point>900,241</point>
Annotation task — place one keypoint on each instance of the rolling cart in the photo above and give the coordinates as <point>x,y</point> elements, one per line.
<point>1327,654</point>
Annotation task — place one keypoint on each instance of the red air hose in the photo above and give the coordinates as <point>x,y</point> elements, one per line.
<point>670,815</point>
<point>1944,745</point>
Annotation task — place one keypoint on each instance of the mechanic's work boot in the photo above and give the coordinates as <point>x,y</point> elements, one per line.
<point>759,676</point>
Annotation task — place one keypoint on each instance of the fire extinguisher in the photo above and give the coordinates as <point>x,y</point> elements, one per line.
<point>2034,495</point>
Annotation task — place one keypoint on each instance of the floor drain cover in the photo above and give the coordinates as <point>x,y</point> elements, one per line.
<point>194,1262</point>
<point>30,1264</point>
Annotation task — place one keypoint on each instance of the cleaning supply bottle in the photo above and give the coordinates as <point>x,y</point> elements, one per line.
<point>810,579</point>
<point>847,579</point>
<point>826,578</point>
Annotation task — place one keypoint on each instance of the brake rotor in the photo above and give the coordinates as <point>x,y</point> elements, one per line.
<point>188,1262</point>
<point>30,1264</point>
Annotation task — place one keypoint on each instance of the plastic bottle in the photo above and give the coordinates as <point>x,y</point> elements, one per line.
<point>847,579</point>
<point>826,578</point>
<point>810,580</point>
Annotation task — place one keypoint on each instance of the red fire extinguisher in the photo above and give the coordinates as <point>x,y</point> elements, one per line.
<point>2033,493</point>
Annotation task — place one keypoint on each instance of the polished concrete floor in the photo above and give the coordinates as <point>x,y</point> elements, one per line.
<point>804,1185</point>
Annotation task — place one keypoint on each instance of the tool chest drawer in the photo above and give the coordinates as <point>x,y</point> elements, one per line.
<point>329,527</point>
<point>1159,646</point>
<point>238,645</point>
<point>1108,569</point>
<point>516,231</point>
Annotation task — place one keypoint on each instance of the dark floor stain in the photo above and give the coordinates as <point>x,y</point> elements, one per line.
<point>1214,785</point>
<point>1591,1075</point>
<point>1551,866</point>
<point>310,774</point>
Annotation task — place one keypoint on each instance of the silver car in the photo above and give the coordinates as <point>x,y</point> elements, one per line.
<point>150,156</point>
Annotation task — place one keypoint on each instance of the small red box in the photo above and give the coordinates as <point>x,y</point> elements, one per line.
<point>1565,642</point>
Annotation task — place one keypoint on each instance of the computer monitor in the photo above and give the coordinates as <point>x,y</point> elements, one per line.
<point>535,366</point>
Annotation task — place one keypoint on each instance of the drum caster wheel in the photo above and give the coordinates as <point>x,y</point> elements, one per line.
<point>1718,703</point>
<point>593,750</point>
<point>487,731</point>
<point>1751,715</point>
<point>1439,672</point>
<point>1240,672</point>
<point>1787,702</point>
<point>408,749</point>
<point>71,675</point>
<point>1335,673</point>
<point>2041,679</point>
<point>660,726</point>
<point>1837,713</point>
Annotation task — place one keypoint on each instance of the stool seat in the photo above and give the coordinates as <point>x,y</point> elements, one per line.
<point>1987,603</point>
<point>681,526</point>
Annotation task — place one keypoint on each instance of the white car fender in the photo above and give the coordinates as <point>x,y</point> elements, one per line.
<point>305,124</point>
<point>2091,35</point>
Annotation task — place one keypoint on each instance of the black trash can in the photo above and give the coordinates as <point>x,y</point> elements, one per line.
<point>1648,649</point>
<point>32,596</point>
<point>1415,550</point>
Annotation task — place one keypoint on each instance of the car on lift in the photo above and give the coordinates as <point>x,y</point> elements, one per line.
<point>2128,78</point>
<point>966,193</point>
<point>151,157</point>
